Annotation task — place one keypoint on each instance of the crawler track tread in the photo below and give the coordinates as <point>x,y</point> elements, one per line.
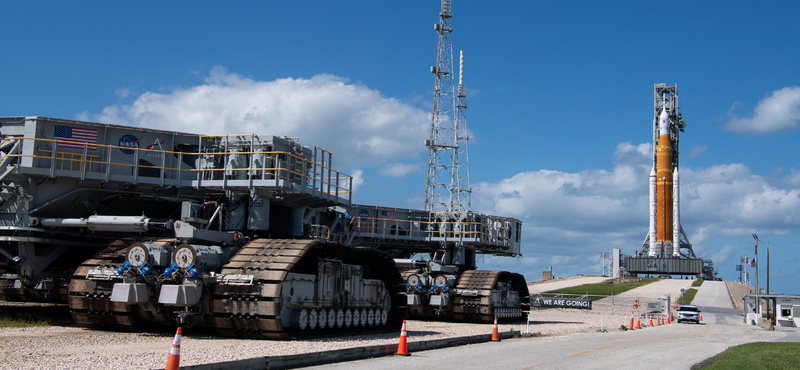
<point>477,305</point>
<point>89,300</point>
<point>253,311</point>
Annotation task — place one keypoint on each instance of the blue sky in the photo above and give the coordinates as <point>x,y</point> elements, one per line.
<point>560,94</point>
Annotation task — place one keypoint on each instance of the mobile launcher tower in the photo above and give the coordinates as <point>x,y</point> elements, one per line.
<point>666,249</point>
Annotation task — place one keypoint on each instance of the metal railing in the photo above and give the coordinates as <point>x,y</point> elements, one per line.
<point>413,229</point>
<point>275,165</point>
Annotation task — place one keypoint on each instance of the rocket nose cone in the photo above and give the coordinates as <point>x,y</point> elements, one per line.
<point>663,122</point>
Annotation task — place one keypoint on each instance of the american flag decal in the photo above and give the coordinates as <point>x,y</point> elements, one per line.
<point>75,137</point>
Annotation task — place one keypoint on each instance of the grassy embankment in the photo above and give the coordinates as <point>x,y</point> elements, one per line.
<point>600,290</point>
<point>755,356</point>
<point>17,317</point>
<point>688,297</point>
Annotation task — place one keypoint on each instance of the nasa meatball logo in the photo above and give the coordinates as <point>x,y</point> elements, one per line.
<point>363,213</point>
<point>128,141</point>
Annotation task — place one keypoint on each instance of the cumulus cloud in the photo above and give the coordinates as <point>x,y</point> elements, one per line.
<point>399,169</point>
<point>697,151</point>
<point>570,218</point>
<point>724,254</point>
<point>358,124</point>
<point>358,179</point>
<point>777,113</point>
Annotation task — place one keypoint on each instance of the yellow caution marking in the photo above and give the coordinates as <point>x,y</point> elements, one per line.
<point>531,367</point>
<point>650,340</point>
<point>578,354</point>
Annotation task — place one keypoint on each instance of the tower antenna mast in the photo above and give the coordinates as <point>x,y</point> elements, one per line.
<point>447,189</point>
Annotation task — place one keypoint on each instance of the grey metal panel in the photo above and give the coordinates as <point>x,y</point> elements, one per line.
<point>674,266</point>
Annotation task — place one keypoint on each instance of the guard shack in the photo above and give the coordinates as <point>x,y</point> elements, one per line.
<point>787,311</point>
<point>784,309</point>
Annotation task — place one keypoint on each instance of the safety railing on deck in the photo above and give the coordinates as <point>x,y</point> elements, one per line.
<point>260,165</point>
<point>480,231</point>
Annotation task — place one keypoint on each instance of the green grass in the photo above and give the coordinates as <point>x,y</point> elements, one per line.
<point>688,296</point>
<point>18,317</point>
<point>599,291</point>
<point>755,356</point>
<point>698,282</point>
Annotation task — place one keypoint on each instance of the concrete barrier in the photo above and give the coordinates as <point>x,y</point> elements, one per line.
<point>343,355</point>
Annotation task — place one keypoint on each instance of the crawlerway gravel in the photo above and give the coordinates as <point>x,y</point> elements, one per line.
<point>77,348</point>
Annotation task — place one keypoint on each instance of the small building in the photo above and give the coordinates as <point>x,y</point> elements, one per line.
<point>788,311</point>
<point>786,308</point>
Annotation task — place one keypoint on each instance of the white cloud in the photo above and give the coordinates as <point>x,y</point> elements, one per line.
<point>777,113</point>
<point>697,151</point>
<point>122,93</point>
<point>358,179</point>
<point>724,254</point>
<point>569,218</point>
<point>359,125</point>
<point>399,169</point>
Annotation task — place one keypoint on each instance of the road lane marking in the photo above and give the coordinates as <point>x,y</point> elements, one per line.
<point>650,340</point>
<point>578,354</point>
<point>531,367</point>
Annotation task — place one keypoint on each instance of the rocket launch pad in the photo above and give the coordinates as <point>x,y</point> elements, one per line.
<point>666,249</point>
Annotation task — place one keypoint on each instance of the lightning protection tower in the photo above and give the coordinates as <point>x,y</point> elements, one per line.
<point>447,191</point>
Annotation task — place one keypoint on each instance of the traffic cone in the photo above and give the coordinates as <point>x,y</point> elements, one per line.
<point>495,333</point>
<point>174,353</point>
<point>668,316</point>
<point>651,320</point>
<point>631,321</point>
<point>402,347</point>
<point>638,323</point>
<point>701,316</point>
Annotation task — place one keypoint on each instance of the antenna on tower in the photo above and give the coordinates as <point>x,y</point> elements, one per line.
<point>447,191</point>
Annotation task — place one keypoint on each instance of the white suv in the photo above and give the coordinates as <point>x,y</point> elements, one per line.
<point>688,313</point>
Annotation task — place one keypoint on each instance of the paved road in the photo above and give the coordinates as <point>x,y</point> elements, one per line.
<point>713,294</point>
<point>676,346</point>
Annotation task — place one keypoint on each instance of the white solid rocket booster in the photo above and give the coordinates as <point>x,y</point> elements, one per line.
<point>652,252</point>
<point>676,213</point>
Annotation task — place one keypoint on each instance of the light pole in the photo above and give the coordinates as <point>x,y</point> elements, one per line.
<point>758,302</point>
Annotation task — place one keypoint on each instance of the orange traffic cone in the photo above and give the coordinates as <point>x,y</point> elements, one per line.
<point>638,323</point>
<point>651,320</point>
<point>495,333</point>
<point>631,320</point>
<point>174,353</point>
<point>402,347</point>
<point>668,316</point>
<point>701,316</point>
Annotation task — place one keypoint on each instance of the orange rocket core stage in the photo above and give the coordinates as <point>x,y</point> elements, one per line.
<point>664,189</point>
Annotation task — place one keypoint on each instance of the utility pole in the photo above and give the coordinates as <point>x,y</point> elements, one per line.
<point>758,302</point>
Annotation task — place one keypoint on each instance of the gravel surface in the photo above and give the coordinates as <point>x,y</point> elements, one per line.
<point>77,348</point>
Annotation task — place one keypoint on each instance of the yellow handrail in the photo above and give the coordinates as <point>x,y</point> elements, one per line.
<point>291,167</point>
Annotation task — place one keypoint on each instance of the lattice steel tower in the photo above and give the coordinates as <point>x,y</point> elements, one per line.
<point>447,191</point>
<point>665,98</point>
